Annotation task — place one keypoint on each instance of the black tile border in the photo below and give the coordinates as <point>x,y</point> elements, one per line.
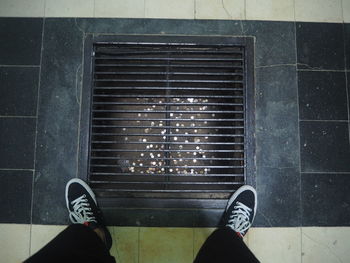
<point>29,39</point>
<point>325,199</point>
<point>16,196</point>
<point>318,151</point>
<point>152,26</point>
<point>311,36</point>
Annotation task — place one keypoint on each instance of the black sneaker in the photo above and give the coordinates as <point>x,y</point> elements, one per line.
<point>83,209</point>
<point>240,210</point>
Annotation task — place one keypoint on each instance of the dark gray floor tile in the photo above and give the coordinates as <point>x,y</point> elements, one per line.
<point>347,44</point>
<point>193,27</point>
<point>275,42</point>
<point>149,217</point>
<point>111,25</point>
<point>17,143</point>
<point>20,41</point>
<point>325,199</point>
<point>324,146</point>
<point>208,217</point>
<point>159,26</point>
<point>58,121</point>
<point>15,196</point>
<point>278,197</point>
<point>320,46</point>
<point>276,117</point>
<point>19,91</point>
<point>348,88</point>
<point>322,95</point>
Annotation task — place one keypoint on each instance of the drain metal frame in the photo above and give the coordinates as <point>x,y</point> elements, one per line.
<point>249,112</point>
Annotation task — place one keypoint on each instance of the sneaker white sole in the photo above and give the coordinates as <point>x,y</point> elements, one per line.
<point>82,183</point>
<point>238,192</point>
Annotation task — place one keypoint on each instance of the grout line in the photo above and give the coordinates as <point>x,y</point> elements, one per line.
<point>193,243</point>
<point>323,120</point>
<point>144,8</point>
<point>275,65</point>
<point>342,10</point>
<point>20,66</point>
<point>15,169</point>
<point>294,15</point>
<point>301,245</point>
<point>325,172</point>
<point>299,139</point>
<point>94,13</point>
<point>346,80</point>
<point>322,70</point>
<point>36,133</point>
<point>45,8</point>
<point>195,9</point>
<point>14,116</point>
<point>138,244</point>
<point>80,102</point>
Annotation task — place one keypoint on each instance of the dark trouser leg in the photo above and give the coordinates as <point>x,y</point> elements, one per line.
<point>222,246</point>
<point>77,243</point>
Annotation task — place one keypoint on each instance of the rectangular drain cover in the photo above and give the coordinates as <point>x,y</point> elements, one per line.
<point>168,119</point>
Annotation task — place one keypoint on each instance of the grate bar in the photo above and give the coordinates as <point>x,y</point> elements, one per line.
<point>170,166</point>
<point>129,52</point>
<point>171,143</point>
<point>168,174</point>
<point>168,59</point>
<point>167,127</point>
<point>162,183</point>
<point>170,104</point>
<point>165,190</point>
<point>164,158</point>
<point>138,73</point>
<point>170,88</point>
<point>168,81</point>
<point>168,135</point>
<point>163,111</point>
<point>163,119</point>
<point>159,151</point>
<point>166,96</point>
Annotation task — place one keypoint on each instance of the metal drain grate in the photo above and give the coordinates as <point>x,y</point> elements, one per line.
<point>167,120</point>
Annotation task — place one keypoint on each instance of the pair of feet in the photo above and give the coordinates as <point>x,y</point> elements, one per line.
<point>83,209</point>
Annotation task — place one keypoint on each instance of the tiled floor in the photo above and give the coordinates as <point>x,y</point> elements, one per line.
<point>302,122</point>
<point>301,116</point>
<point>180,245</point>
<point>276,10</point>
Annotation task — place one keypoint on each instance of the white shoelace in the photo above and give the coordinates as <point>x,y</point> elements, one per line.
<point>239,219</point>
<point>81,211</point>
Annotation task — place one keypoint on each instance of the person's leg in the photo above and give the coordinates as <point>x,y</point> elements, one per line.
<point>77,243</point>
<point>88,240</point>
<point>226,243</point>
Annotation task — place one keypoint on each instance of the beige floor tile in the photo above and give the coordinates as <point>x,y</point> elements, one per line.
<point>14,242</point>
<point>125,244</point>
<point>169,9</point>
<point>318,10</point>
<point>219,9</point>
<point>279,10</point>
<point>276,244</point>
<point>171,245</point>
<point>120,8</point>
<point>346,10</point>
<point>69,8</point>
<point>22,8</point>
<point>325,244</point>
<point>42,234</point>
